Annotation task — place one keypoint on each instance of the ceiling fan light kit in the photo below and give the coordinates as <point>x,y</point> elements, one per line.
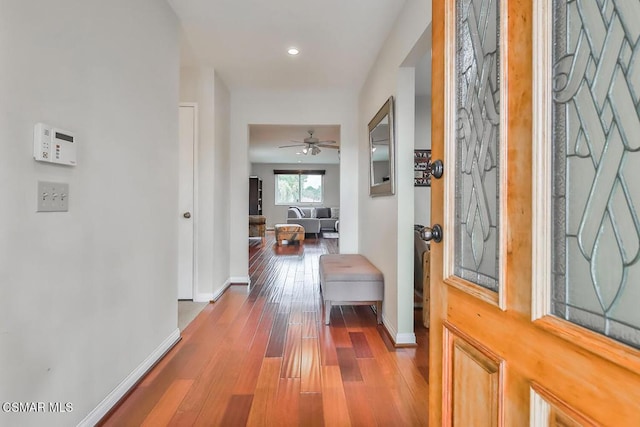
<point>312,145</point>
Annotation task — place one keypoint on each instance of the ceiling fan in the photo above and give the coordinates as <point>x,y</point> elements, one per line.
<point>312,145</point>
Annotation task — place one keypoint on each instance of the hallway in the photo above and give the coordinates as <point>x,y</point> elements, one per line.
<point>266,358</point>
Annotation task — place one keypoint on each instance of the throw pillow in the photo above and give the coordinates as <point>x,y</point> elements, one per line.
<point>335,213</point>
<point>294,212</point>
<point>323,213</point>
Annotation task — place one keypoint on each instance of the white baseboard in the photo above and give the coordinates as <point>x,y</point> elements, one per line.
<point>207,297</point>
<point>114,397</point>
<point>241,279</point>
<point>399,339</point>
<point>218,294</point>
<point>406,339</point>
<point>203,297</point>
<point>390,329</point>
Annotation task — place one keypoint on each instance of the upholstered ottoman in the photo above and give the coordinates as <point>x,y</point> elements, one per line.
<point>289,232</point>
<point>350,279</point>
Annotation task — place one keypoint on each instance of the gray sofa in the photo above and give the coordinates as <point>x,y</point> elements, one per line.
<point>314,219</point>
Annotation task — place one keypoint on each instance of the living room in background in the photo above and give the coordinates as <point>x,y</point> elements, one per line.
<point>298,186</point>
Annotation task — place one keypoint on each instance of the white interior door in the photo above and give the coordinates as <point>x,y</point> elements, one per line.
<point>188,120</point>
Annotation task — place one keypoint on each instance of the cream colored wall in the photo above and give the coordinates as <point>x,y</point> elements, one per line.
<point>221,194</point>
<point>86,296</point>
<point>422,195</point>
<point>386,223</point>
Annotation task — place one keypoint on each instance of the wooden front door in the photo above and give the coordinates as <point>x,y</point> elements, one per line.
<point>535,282</point>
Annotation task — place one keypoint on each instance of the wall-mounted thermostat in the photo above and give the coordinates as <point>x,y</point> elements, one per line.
<point>54,145</point>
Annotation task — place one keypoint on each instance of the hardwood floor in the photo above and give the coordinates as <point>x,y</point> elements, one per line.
<point>265,357</point>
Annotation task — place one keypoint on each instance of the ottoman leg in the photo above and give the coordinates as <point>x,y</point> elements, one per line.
<point>379,311</point>
<point>327,312</point>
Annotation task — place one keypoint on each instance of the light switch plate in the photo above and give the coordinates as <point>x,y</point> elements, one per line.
<point>53,197</point>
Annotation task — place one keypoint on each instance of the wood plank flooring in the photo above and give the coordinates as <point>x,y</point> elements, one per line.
<point>265,358</point>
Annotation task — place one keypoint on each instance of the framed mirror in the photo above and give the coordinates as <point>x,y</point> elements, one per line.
<point>381,152</point>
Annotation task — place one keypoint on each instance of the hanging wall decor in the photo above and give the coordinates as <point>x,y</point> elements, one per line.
<point>422,168</point>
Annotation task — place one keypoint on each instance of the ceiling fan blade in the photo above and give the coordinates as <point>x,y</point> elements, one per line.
<point>293,145</point>
<point>327,142</point>
<point>337,147</point>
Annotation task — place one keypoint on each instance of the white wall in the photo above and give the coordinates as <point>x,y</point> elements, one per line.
<point>422,195</point>
<point>303,108</point>
<point>203,86</point>
<point>277,214</point>
<point>386,223</point>
<point>221,194</point>
<point>88,295</point>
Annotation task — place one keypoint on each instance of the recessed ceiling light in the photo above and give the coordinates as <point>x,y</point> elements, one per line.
<point>293,51</point>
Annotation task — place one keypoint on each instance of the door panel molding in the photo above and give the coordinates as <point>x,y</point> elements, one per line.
<point>541,162</point>
<point>471,369</point>
<point>498,298</point>
<point>474,290</point>
<point>593,342</point>
<point>549,410</point>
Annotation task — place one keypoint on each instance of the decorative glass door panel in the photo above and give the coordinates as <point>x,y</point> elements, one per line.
<point>477,142</point>
<point>596,166</point>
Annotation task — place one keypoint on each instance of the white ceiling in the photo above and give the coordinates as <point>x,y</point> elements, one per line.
<point>246,41</point>
<point>264,141</point>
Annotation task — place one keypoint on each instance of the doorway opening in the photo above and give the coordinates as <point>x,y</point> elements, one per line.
<point>297,166</point>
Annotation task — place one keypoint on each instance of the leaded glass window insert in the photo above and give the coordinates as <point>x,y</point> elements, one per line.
<point>596,163</point>
<point>477,142</point>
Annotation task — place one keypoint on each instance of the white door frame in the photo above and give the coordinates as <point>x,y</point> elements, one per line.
<point>194,214</point>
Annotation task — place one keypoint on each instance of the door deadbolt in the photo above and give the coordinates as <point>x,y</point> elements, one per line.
<point>437,169</point>
<point>187,215</point>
